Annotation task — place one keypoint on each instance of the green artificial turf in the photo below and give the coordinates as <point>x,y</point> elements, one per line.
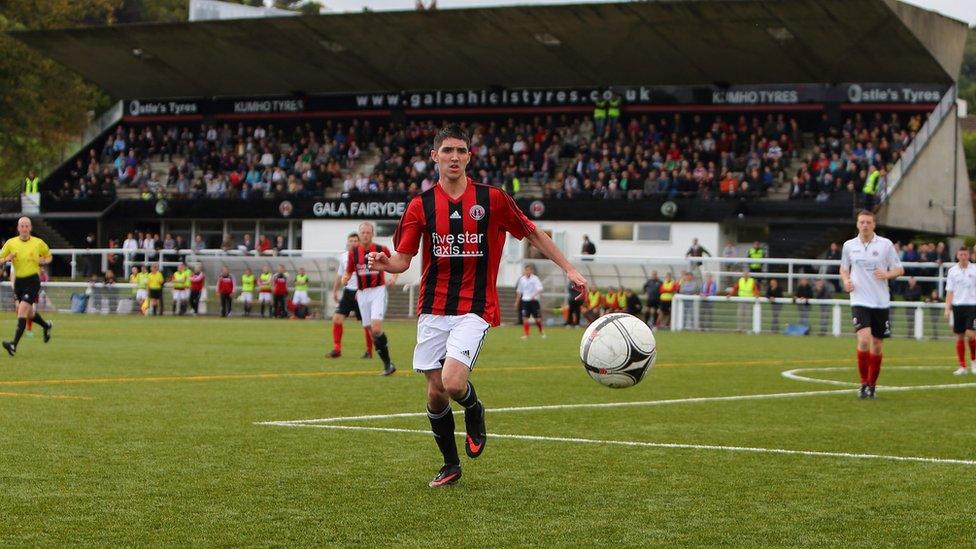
<point>163,444</point>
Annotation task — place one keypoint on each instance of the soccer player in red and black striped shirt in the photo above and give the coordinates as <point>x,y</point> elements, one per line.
<point>371,296</point>
<point>462,225</point>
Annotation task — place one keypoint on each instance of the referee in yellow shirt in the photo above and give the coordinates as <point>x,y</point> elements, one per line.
<point>28,253</point>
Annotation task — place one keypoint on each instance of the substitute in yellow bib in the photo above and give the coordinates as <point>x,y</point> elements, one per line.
<point>27,253</point>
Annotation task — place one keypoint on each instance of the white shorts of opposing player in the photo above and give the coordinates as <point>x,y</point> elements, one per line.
<point>372,304</point>
<point>247,297</point>
<point>181,295</point>
<point>264,297</point>
<point>300,298</point>
<point>438,337</point>
<point>142,294</point>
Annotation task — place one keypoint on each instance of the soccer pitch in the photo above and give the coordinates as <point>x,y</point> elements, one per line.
<point>133,431</point>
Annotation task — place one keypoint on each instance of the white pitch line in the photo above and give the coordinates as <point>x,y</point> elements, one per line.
<point>665,445</point>
<point>795,376</point>
<point>640,403</point>
<point>544,407</point>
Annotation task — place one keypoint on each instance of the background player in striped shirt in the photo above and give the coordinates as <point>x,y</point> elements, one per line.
<point>347,304</point>
<point>528,290</point>
<point>960,306</point>
<point>372,290</point>
<point>462,225</point>
<point>868,261</point>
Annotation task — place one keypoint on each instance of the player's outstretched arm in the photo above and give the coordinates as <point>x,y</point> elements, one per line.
<point>395,264</point>
<point>541,240</point>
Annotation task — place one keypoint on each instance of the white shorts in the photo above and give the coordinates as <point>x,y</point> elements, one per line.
<point>246,297</point>
<point>264,297</point>
<point>300,298</point>
<point>372,304</point>
<point>440,337</point>
<point>142,294</point>
<point>180,294</point>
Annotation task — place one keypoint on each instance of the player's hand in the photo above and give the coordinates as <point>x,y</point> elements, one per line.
<point>848,286</point>
<point>881,274</point>
<point>376,261</point>
<point>578,282</point>
<point>948,313</point>
<point>335,296</point>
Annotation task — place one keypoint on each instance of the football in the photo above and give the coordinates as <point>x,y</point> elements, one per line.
<point>617,350</point>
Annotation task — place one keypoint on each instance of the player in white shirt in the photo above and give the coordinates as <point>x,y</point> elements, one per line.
<point>347,303</point>
<point>960,305</point>
<point>528,291</point>
<point>867,263</point>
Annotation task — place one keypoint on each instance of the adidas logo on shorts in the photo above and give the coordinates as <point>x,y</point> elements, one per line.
<point>466,353</point>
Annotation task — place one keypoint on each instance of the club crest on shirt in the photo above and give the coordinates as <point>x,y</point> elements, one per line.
<point>477,212</point>
<point>874,253</point>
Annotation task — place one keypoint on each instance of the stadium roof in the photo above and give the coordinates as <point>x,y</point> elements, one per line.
<point>657,42</point>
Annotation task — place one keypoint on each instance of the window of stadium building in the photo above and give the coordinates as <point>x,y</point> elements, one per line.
<point>179,228</point>
<point>212,233</point>
<point>237,230</point>
<point>658,232</point>
<point>617,231</point>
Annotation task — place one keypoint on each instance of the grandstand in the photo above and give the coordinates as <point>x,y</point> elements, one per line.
<point>768,151</point>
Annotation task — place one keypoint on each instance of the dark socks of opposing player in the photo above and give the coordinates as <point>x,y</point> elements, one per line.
<point>379,340</point>
<point>442,424</point>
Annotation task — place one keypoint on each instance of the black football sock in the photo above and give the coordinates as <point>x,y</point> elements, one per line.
<point>379,341</point>
<point>470,399</point>
<point>41,322</point>
<point>442,425</point>
<point>22,325</point>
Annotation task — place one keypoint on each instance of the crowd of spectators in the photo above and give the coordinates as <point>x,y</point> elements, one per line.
<point>682,155</point>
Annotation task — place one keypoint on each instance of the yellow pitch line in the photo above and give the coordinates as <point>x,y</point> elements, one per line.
<point>40,395</point>
<point>357,373</point>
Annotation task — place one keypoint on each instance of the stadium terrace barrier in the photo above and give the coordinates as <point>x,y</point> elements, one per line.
<point>820,317</point>
<point>910,153</point>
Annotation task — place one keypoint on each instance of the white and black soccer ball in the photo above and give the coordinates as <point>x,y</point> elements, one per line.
<point>617,350</point>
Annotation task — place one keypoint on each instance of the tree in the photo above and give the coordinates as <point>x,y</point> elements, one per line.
<point>43,106</point>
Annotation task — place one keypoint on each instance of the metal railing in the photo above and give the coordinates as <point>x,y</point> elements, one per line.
<point>825,317</point>
<point>632,271</point>
<point>918,143</point>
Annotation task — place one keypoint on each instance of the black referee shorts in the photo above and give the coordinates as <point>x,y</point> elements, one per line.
<point>27,288</point>
<point>876,319</point>
<point>963,318</point>
<point>348,304</point>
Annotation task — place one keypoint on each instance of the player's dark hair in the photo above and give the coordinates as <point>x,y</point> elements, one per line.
<point>351,235</point>
<point>451,131</point>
